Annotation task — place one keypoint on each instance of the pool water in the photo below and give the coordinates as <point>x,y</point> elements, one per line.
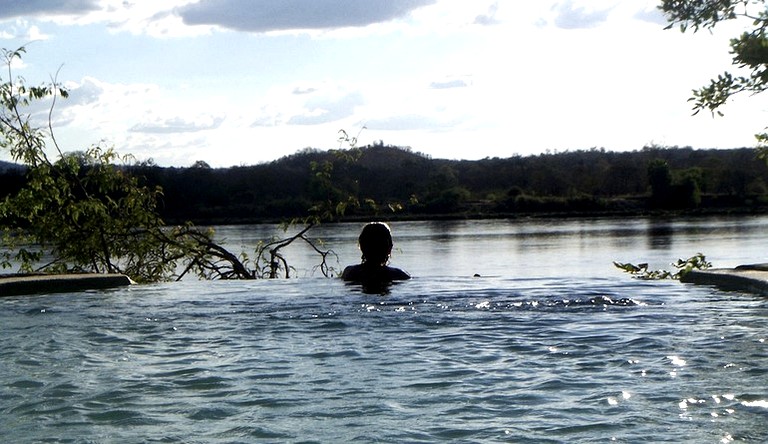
<point>474,360</point>
<point>571,356</point>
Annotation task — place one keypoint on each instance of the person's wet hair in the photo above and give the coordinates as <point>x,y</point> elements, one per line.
<point>375,243</point>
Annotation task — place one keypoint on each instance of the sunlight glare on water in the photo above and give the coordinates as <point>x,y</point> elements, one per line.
<point>550,344</point>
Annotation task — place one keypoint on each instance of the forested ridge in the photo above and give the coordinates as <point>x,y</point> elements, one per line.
<point>395,182</point>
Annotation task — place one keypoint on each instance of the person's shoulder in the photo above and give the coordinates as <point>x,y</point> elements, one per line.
<point>351,273</point>
<point>397,274</point>
<point>362,273</point>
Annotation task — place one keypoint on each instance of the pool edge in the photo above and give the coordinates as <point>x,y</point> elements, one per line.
<point>750,278</point>
<point>21,284</point>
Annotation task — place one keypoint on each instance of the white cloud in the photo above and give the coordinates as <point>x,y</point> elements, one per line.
<point>165,24</point>
<point>22,30</point>
<point>178,124</point>
<point>489,17</point>
<point>408,122</point>
<point>98,110</point>
<point>651,14</point>
<point>171,127</point>
<point>139,17</point>
<point>325,110</point>
<point>87,91</point>
<point>304,90</point>
<point>572,16</point>
<point>449,83</point>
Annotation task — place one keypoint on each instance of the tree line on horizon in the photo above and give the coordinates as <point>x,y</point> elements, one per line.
<point>392,182</point>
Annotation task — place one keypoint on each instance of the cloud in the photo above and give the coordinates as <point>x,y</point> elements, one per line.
<point>153,18</point>
<point>88,91</point>
<point>178,125</point>
<point>406,122</point>
<point>652,15</point>
<point>328,110</point>
<point>490,17</point>
<point>446,84</point>
<point>299,90</point>
<point>16,8</point>
<point>264,121</point>
<point>22,30</point>
<point>271,15</point>
<point>570,16</point>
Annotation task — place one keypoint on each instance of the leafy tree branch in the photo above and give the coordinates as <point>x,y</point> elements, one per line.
<point>85,212</point>
<point>682,266</point>
<point>749,50</point>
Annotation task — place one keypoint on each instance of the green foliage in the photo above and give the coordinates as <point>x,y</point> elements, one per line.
<point>702,13</point>
<point>85,212</point>
<point>335,188</point>
<point>80,211</point>
<point>688,185</point>
<point>749,50</point>
<point>660,181</point>
<point>330,200</point>
<point>682,266</point>
<point>90,216</point>
<point>676,189</point>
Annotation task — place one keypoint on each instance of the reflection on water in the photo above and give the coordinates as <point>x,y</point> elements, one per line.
<point>550,344</point>
<point>533,247</point>
<point>660,234</point>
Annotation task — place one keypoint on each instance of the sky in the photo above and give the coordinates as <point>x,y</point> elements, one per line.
<point>241,82</point>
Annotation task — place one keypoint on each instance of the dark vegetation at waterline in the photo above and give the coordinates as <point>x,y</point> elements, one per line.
<point>384,178</point>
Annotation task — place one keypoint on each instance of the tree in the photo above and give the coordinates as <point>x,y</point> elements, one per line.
<point>201,164</point>
<point>660,180</point>
<point>750,50</point>
<point>83,212</point>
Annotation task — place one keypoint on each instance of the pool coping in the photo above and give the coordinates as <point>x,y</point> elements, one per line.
<point>750,278</point>
<point>26,284</point>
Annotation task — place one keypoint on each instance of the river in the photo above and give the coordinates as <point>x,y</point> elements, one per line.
<point>550,343</point>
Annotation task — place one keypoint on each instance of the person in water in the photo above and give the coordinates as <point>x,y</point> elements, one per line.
<point>375,243</point>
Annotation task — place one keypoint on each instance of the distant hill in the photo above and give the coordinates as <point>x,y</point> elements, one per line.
<point>592,181</point>
<point>595,181</point>
<point>6,166</point>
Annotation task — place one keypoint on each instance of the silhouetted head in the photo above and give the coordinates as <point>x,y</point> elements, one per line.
<point>376,243</point>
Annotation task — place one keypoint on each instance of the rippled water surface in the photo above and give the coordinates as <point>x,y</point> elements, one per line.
<point>532,352</point>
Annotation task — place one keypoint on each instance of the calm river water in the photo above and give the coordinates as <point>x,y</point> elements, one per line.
<point>550,344</point>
